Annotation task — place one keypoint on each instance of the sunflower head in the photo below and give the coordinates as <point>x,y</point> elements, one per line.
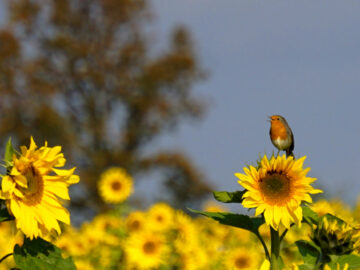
<point>160,216</point>
<point>335,236</point>
<point>115,185</point>
<point>241,258</point>
<point>146,250</point>
<point>136,221</point>
<point>276,188</point>
<point>32,187</point>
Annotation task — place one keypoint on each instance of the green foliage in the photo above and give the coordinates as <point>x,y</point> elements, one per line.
<point>9,151</point>
<point>245,222</point>
<point>309,253</point>
<point>305,267</point>
<point>41,255</point>
<point>309,216</point>
<point>352,260</point>
<point>229,197</point>
<point>4,215</point>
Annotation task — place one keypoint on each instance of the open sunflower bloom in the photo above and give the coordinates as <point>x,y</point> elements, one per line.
<point>32,189</point>
<point>277,189</point>
<point>115,185</point>
<point>146,250</point>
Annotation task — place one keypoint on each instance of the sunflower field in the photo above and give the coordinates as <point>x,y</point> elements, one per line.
<point>287,230</point>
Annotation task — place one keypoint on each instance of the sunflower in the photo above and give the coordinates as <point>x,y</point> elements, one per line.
<point>335,236</point>
<point>115,185</point>
<point>136,221</point>
<point>82,264</point>
<point>32,187</point>
<point>186,231</point>
<point>277,189</point>
<point>242,258</point>
<point>146,250</point>
<point>194,258</point>
<point>338,267</point>
<point>160,216</point>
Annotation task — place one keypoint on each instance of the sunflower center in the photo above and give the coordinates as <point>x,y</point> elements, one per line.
<point>135,225</point>
<point>241,262</point>
<point>276,188</point>
<point>35,186</point>
<point>149,247</point>
<point>116,186</point>
<point>159,218</point>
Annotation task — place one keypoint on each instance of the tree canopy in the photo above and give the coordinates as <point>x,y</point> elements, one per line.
<point>84,74</point>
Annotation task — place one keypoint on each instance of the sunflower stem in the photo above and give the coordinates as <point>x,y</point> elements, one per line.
<point>3,258</point>
<point>275,249</point>
<point>267,254</point>
<point>283,235</point>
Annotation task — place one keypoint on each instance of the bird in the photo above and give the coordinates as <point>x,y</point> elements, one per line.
<point>281,135</point>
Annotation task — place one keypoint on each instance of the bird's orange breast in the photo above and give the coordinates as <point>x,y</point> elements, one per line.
<point>278,130</point>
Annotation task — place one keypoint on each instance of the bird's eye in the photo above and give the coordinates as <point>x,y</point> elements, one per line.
<point>278,118</point>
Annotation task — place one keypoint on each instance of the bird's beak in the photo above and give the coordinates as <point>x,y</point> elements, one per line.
<point>269,119</point>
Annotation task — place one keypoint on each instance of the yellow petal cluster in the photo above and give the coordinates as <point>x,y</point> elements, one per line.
<point>115,185</point>
<point>146,250</point>
<point>277,189</point>
<point>32,189</point>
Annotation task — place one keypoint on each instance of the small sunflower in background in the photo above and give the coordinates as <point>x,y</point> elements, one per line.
<point>160,216</point>
<point>115,185</point>
<point>242,258</point>
<point>146,250</point>
<point>277,189</point>
<point>136,221</point>
<point>83,265</point>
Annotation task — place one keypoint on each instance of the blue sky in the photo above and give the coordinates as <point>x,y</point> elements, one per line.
<point>299,59</point>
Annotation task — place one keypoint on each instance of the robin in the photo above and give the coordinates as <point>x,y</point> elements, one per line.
<point>281,135</point>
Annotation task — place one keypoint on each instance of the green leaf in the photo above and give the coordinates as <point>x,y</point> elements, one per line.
<point>41,255</point>
<point>305,267</point>
<point>237,220</point>
<point>308,252</point>
<point>229,197</point>
<point>4,215</point>
<point>309,216</point>
<point>352,260</point>
<point>9,151</point>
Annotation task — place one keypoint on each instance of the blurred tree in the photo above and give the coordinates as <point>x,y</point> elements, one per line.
<point>82,74</point>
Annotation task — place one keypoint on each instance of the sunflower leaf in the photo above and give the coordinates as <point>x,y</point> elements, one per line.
<point>352,260</point>
<point>305,267</point>
<point>237,220</point>
<point>4,215</point>
<point>309,216</point>
<point>9,151</point>
<point>229,197</point>
<point>308,252</point>
<point>42,255</point>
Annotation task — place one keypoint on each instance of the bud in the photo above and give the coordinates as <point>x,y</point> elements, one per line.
<point>335,236</point>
